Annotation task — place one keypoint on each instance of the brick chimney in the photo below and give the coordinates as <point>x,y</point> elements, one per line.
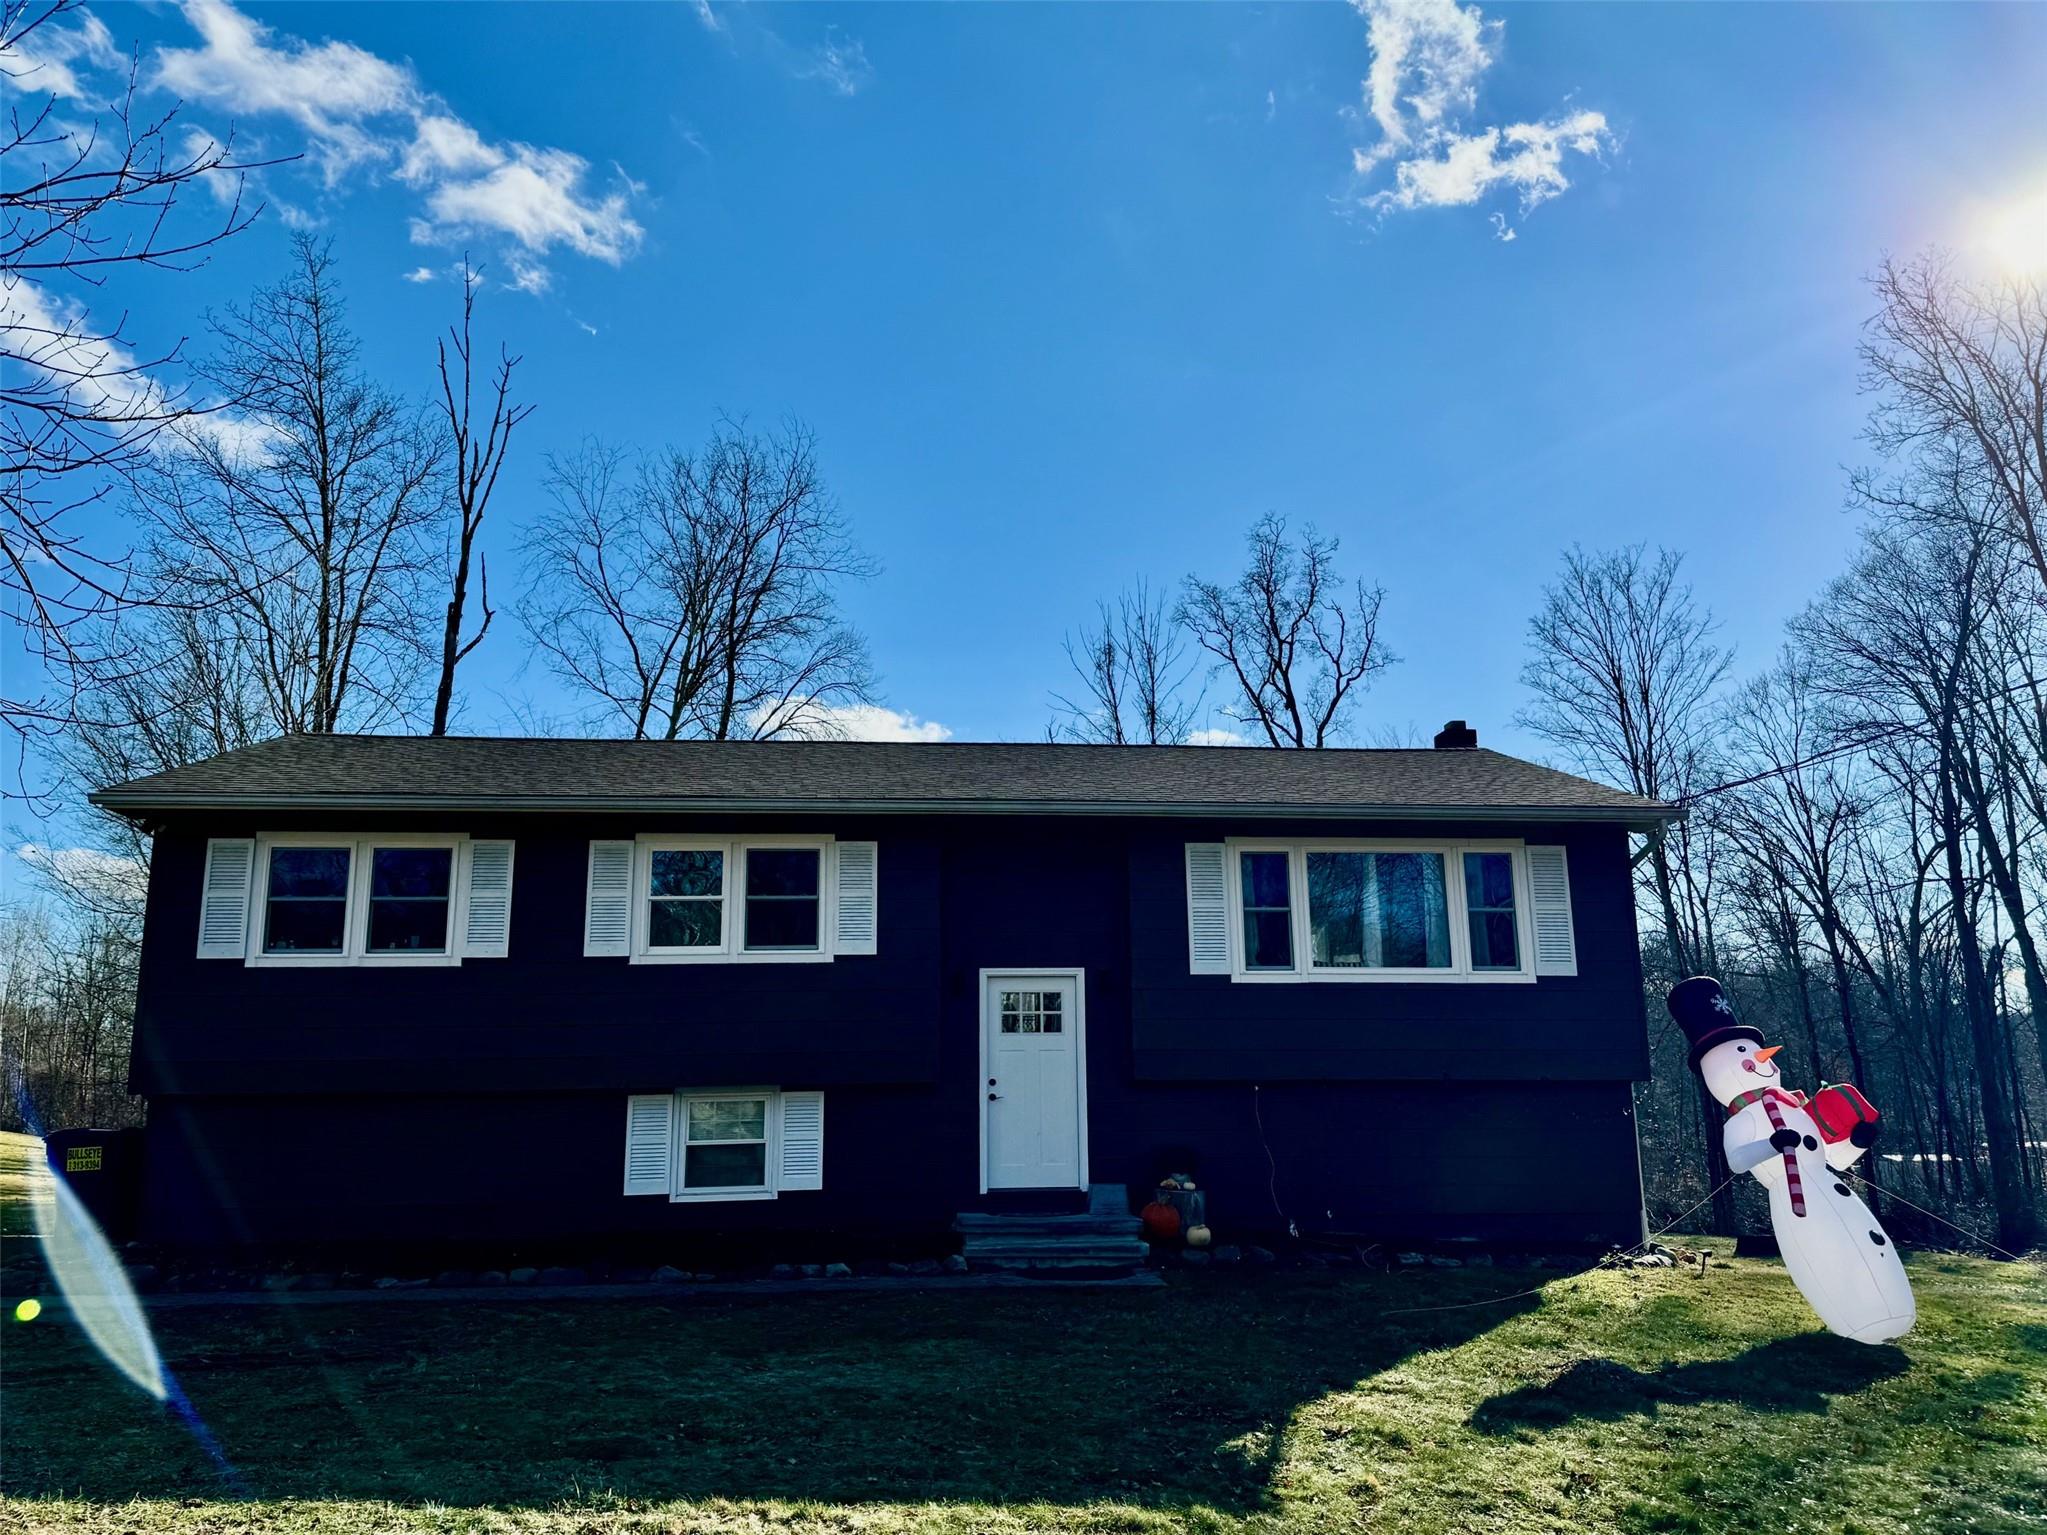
<point>1456,736</point>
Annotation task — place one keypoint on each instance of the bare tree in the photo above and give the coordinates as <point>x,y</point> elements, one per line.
<point>1959,372</point>
<point>1625,670</point>
<point>305,522</point>
<point>1133,673</point>
<point>700,597</point>
<point>79,405</point>
<point>476,463</point>
<point>1292,641</point>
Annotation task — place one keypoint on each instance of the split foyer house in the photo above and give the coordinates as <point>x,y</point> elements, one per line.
<point>494,990</point>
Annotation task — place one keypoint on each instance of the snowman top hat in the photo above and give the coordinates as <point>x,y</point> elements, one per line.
<point>1702,1010</point>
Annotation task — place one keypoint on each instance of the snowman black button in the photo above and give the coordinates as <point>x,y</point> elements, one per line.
<point>1841,1189</point>
<point>1811,1144</point>
<point>1877,1237</point>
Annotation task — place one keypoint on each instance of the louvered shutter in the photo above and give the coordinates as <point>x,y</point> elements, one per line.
<point>802,1164</point>
<point>608,900</point>
<point>858,898</point>
<point>1549,888</point>
<point>649,1142</point>
<point>487,923</point>
<point>224,898</point>
<point>1208,915</point>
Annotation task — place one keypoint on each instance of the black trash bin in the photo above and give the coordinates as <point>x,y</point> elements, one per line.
<point>104,1169</point>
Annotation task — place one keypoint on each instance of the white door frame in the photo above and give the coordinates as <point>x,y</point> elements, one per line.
<point>1028,972</point>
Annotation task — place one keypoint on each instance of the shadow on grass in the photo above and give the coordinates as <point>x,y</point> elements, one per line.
<point>1163,1399</point>
<point>1786,1375</point>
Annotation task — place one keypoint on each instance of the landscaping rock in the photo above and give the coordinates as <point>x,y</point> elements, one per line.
<point>313,1282</point>
<point>633,1274</point>
<point>279,1281</point>
<point>1440,1261</point>
<point>1228,1254</point>
<point>1260,1256</point>
<point>491,1279</point>
<point>954,1264</point>
<point>1409,1260</point>
<point>143,1276</point>
<point>386,1283</point>
<point>899,1268</point>
<point>812,1270</point>
<point>837,1271</point>
<point>562,1275</point>
<point>1195,1257</point>
<point>523,1275</point>
<point>782,1271</point>
<point>927,1266</point>
<point>669,1274</point>
<point>1653,1261</point>
<point>1479,1261</point>
<point>454,1279</point>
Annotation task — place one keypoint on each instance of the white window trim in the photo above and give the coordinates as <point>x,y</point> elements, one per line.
<point>679,1143</point>
<point>356,924</point>
<point>1458,972</point>
<point>733,951</point>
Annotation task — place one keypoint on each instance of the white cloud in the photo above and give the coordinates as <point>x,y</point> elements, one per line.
<point>41,63</point>
<point>92,872</point>
<point>362,113</point>
<point>1429,58</point>
<point>709,18</point>
<point>334,91</point>
<point>421,274</point>
<point>862,722</point>
<point>841,63</point>
<point>1215,736</point>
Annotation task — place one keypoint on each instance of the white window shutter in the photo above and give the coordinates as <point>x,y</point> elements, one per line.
<point>802,1142</point>
<point>224,898</point>
<point>1208,913</point>
<point>608,901</point>
<point>858,898</point>
<point>649,1142</point>
<point>487,925</point>
<point>1549,886</point>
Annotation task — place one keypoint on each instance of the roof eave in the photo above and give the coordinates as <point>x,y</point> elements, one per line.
<point>1635,817</point>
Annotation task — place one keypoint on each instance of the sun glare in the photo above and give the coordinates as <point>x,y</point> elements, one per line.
<point>2015,236</point>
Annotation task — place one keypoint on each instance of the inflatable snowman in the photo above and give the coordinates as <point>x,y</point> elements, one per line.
<point>1837,1254</point>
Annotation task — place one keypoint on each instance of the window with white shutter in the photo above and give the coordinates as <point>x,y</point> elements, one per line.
<point>649,1143</point>
<point>1549,888</point>
<point>224,898</point>
<point>487,916</point>
<point>858,898</point>
<point>708,1145</point>
<point>1208,916</point>
<point>802,1149</point>
<point>608,900</point>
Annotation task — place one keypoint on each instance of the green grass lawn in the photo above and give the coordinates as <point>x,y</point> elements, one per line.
<point>1641,1400</point>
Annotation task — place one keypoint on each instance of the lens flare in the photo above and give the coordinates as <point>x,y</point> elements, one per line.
<point>2015,236</point>
<point>94,1284</point>
<point>28,1310</point>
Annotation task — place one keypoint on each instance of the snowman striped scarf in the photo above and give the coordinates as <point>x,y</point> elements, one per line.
<point>1796,1187</point>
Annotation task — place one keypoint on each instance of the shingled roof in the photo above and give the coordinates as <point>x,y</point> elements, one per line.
<point>504,773</point>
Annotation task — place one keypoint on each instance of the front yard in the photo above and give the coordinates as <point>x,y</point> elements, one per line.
<point>1624,1401</point>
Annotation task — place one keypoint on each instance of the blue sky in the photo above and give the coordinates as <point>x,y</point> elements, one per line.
<point>1072,295</point>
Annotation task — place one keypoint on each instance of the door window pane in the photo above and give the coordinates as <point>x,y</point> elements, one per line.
<point>782,898</point>
<point>1489,904</point>
<point>1378,911</point>
<point>409,899</point>
<point>1268,911</point>
<point>686,898</point>
<point>305,909</point>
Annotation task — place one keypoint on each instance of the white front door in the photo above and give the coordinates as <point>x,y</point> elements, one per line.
<point>1032,1025</point>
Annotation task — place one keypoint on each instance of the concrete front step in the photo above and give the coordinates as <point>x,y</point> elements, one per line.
<point>974,1223</point>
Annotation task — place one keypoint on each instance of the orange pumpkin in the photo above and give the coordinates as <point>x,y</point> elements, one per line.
<point>1161,1221</point>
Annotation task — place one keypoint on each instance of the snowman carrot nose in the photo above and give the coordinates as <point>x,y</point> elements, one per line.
<point>1764,1055</point>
